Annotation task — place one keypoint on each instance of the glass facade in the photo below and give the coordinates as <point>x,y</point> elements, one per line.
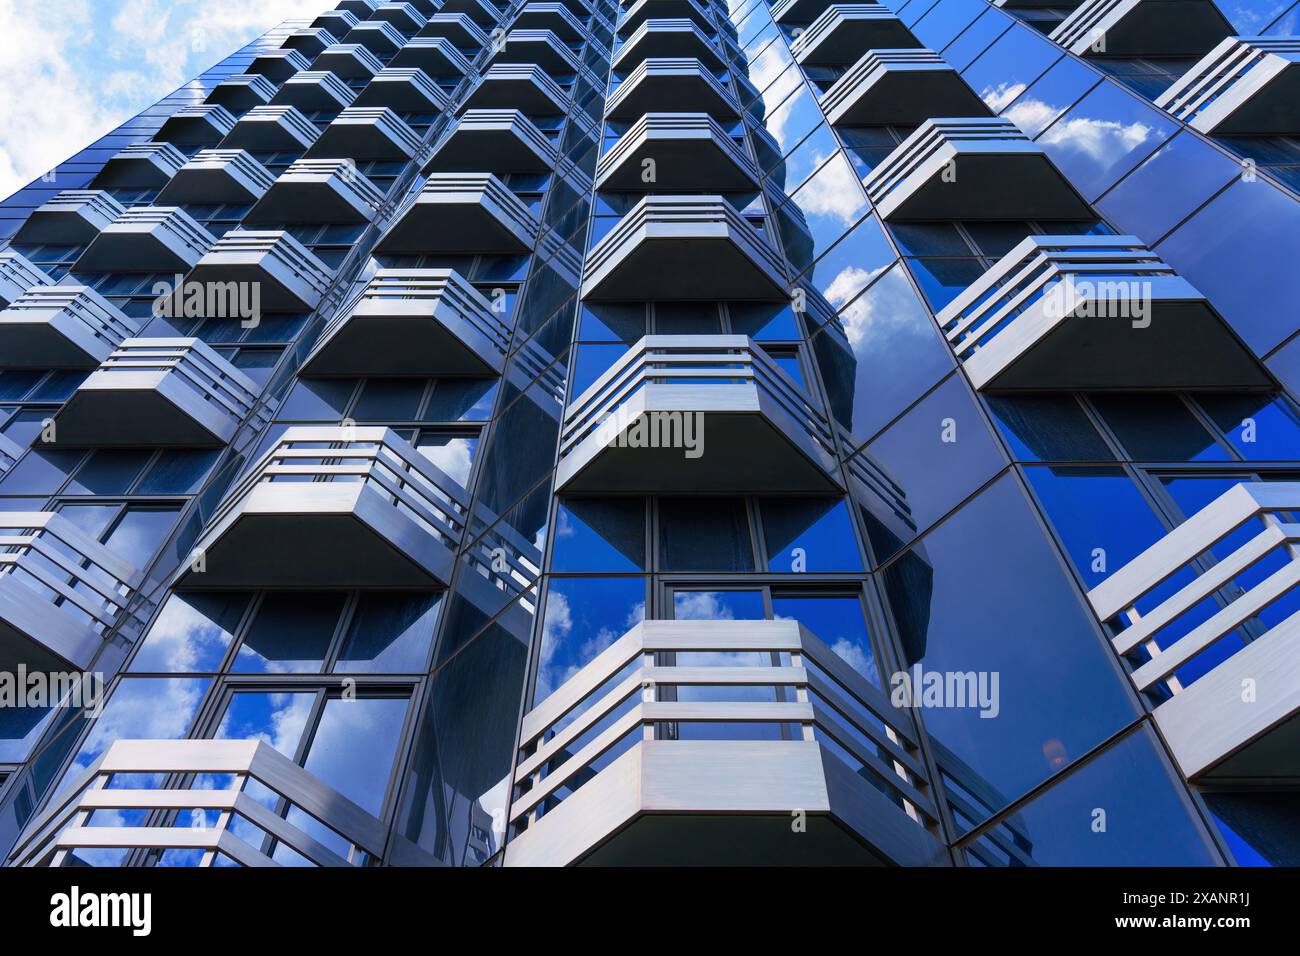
<point>677,431</point>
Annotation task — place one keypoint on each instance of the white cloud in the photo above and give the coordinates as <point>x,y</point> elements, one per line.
<point>72,70</point>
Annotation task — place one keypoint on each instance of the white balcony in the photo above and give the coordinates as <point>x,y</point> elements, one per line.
<point>166,392</point>
<point>637,13</point>
<point>1075,313</point>
<point>462,214</point>
<point>1235,721</point>
<point>240,93</point>
<point>140,166</point>
<point>93,814</point>
<point>218,176</point>
<point>315,91</point>
<point>436,56</point>
<point>608,774</point>
<point>147,239</point>
<point>404,16</point>
<point>483,12</point>
<point>971,168</point>
<point>272,129</point>
<point>278,65</point>
<point>1244,86</point>
<point>309,41</point>
<point>493,141</point>
<point>846,30</point>
<point>662,39</point>
<point>380,38</point>
<point>72,218</point>
<point>205,125</point>
<point>899,88</point>
<point>1142,28</point>
<point>555,17</point>
<point>522,86</point>
<point>689,151</point>
<point>427,322</point>
<point>406,90</point>
<point>683,247</point>
<point>350,61</point>
<point>331,507</point>
<point>290,277</point>
<point>61,326</point>
<point>541,47</point>
<point>670,85</point>
<point>741,405</point>
<point>459,28</point>
<point>367,132</point>
<point>318,190</point>
<point>17,276</point>
<point>61,591</point>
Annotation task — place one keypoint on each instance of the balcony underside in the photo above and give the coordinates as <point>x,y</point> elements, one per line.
<point>671,93</point>
<point>695,163</point>
<point>452,229</point>
<point>140,409</point>
<point>1161,28</point>
<point>489,147</point>
<point>380,340</point>
<point>1186,346</point>
<point>320,535</point>
<point>748,444</point>
<point>900,96</point>
<point>1216,735</point>
<point>523,94</point>
<point>1019,183</point>
<point>681,267</point>
<point>715,803</point>
<point>852,37</point>
<point>42,636</point>
<point>316,199</point>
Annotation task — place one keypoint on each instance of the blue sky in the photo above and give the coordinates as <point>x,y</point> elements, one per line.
<point>71,70</point>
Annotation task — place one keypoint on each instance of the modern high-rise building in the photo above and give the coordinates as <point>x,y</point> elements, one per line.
<point>675,432</point>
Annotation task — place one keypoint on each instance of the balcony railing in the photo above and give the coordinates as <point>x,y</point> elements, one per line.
<point>971,168</point>
<point>17,276</point>
<point>61,326</point>
<point>1142,28</point>
<point>337,22</point>
<point>638,12</point>
<point>309,41</point>
<point>555,17</point>
<point>670,85</point>
<point>494,141</point>
<point>314,91</point>
<point>683,247</point>
<point>318,190</point>
<point>140,166</point>
<point>261,801</point>
<point>436,56</point>
<point>844,31</point>
<point>336,506</point>
<point>147,239</point>
<point>404,89</point>
<point>522,86</point>
<point>482,12</point>
<point>541,47</point>
<point>241,92</point>
<point>1244,86</point>
<point>628,430</point>
<point>902,87</point>
<point>72,218</point>
<point>666,38</point>
<point>365,133</point>
<point>289,276</point>
<point>350,61</point>
<point>786,724</point>
<point>405,17</point>
<point>457,27</point>
<point>272,128</point>
<point>380,38</point>
<point>218,176</point>
<point>60,589</point>
<point>158,392</point>
<point>205,125</point>
<point>1092,312</point>
<point>463,213</point>
<point>689,151</point>
<point>413,322</point>
<point>1211,613</point>
<point>278,65</point>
